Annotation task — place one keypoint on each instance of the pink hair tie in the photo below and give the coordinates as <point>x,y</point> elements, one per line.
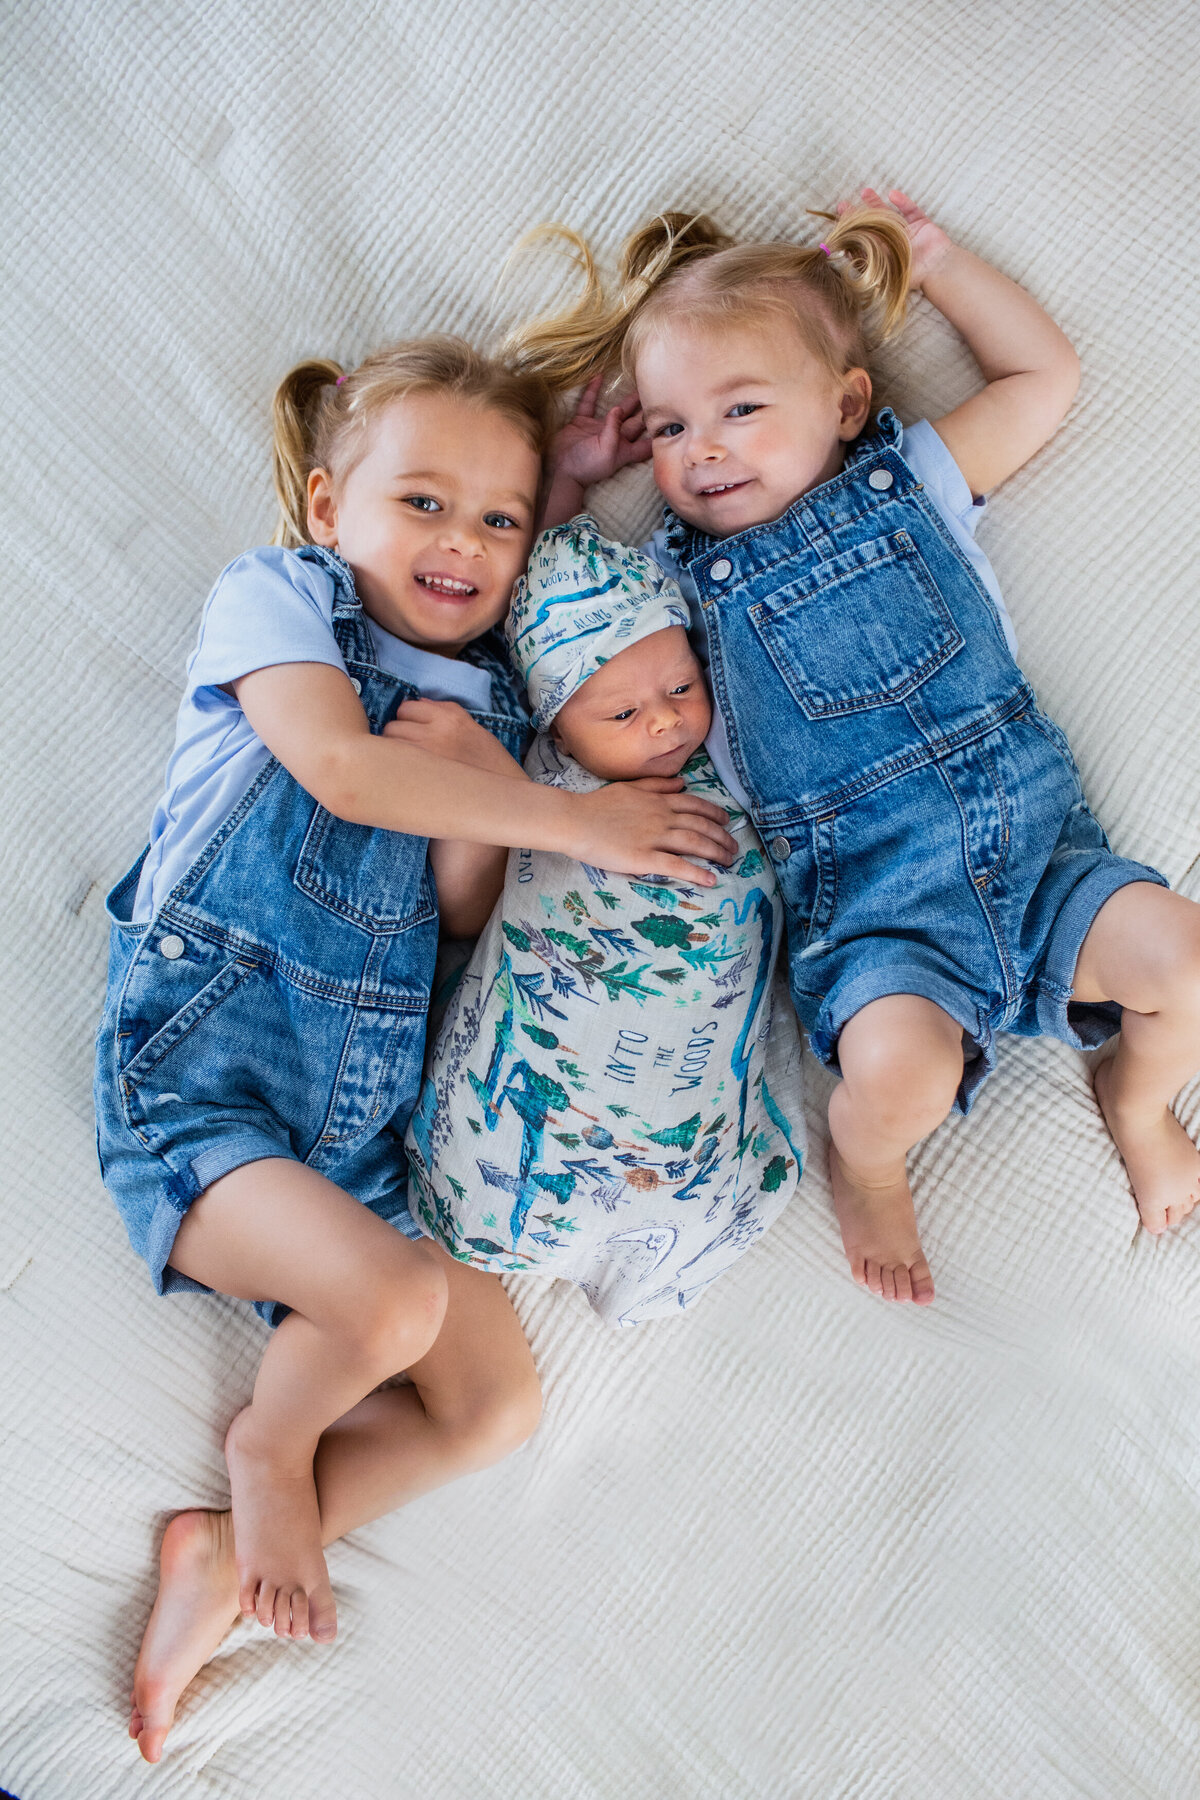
<point>339,381</point>
<point>825,248</point>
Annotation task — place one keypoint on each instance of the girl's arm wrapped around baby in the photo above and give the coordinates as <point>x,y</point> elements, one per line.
<point>309,717</point>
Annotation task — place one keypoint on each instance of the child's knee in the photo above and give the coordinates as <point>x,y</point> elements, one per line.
<point>398,1309</point>
<point>491,1423</point>
<point>903,1059</point>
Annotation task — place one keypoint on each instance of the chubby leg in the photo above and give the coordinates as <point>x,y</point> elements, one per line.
<point>366,1301</point>
<point>475,1397</point>
<point>1143,951</point>
<point>902,1060</point>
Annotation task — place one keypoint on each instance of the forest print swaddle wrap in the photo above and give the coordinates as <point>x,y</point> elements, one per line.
<point>614,1094</point>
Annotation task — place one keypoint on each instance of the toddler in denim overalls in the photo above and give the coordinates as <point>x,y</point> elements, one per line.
<point>344,773</point>
<point>943,877</point>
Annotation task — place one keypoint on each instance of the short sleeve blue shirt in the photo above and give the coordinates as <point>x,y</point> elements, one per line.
<point>269,606</point>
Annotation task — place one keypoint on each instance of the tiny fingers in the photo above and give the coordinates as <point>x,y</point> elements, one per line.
<point>585,406</point>
<point>674,868</point>
<point>704,809</point>
<point>700,843</point>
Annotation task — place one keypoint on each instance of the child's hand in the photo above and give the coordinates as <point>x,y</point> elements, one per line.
<point>929,242</point>
<point>590,448</point>
<point>650,827</point>
<point>447,729</point>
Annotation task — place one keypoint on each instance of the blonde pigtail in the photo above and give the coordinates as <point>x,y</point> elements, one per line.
<point>875,255</point>
<point>302,398</point>
<point>588,338</point>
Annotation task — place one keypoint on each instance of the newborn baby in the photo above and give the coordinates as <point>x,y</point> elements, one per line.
<point>614,1096</point>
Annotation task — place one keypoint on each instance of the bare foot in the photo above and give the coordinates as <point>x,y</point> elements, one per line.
<point>879,1233</point>
<point>196,1605</point>
<point>282,1576</point>
<point>1160,1159</point>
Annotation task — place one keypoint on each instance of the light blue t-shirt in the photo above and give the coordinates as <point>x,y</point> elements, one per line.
<point>270,606</point>
<point>946,485</point>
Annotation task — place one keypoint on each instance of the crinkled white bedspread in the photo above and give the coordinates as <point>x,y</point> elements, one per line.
<point>798,1545</point>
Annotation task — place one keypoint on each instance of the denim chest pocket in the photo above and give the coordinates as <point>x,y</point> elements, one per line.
<point>376,879</point>
<point>864,629</point>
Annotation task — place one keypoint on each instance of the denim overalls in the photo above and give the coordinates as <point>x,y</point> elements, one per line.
<point>275,1004</point>
<point>925,817</point>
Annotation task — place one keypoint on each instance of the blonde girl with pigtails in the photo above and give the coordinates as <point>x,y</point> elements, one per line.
<point>943,877</point>
<point>345,771</point>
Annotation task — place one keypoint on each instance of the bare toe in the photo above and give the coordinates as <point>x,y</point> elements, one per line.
<point>299,1614</point>
<point>1160,1159</point>
<point>879,1233</point>
<point>196,1604</point>
<point>322,1614</point>
<point>922,1282</point>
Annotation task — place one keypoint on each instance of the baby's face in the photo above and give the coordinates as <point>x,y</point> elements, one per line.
<point>435,519</point>
<point>643,713</point>
<point>743,419</point>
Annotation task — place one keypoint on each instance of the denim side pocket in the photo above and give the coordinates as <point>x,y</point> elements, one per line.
<point>376,879</point>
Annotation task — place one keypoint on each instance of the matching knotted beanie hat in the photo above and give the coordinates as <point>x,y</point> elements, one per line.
<point>583,598</point>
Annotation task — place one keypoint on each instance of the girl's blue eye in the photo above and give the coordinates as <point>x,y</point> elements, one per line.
<point>501,521</point>
<point>743,409</point>
<point>422,502</point>
<point>668,430</point>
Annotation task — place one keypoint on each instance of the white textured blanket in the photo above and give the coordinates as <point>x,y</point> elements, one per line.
<point>800,1545</point>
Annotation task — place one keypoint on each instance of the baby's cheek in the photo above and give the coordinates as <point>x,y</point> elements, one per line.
<point>667,475</point>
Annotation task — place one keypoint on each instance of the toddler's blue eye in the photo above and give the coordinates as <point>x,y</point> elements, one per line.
<point>422,502</point>
<point>668,430</point>
<point>627,714</point>
<point>501,521</point>
<point>682,689</point>
<point>743,409</point>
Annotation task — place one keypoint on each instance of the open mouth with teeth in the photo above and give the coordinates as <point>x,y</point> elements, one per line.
<point>722,487</point>
<point>447,587</point>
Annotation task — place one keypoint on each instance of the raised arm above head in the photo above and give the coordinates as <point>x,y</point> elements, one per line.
<point>1031,369</point>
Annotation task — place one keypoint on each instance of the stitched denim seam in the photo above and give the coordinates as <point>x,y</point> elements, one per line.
<point>920,756</point>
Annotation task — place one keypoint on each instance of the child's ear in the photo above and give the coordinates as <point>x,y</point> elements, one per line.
<point>855,403</point>
<point>322,509</point>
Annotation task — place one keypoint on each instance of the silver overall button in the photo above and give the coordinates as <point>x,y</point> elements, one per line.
<point>171,947</point>
<point>356,684</point>
<point>780,849</point>
<point>722,569</point>
<point>880,478</point>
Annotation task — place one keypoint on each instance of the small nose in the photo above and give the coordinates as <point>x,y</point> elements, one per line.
<point>703,449</point>
<point>462,535</point>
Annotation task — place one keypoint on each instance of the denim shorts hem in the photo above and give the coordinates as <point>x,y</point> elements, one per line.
<point>848,997</point>
<point>181,1191</point>
<point>1085,1025</point>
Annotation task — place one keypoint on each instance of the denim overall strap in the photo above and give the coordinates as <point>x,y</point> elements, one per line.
<point>849,640</point>
<point>381,693</point>
<point>350,626</point>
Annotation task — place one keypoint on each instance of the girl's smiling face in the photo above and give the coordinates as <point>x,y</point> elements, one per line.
<point>435,518</point>
<point>743,418</point>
